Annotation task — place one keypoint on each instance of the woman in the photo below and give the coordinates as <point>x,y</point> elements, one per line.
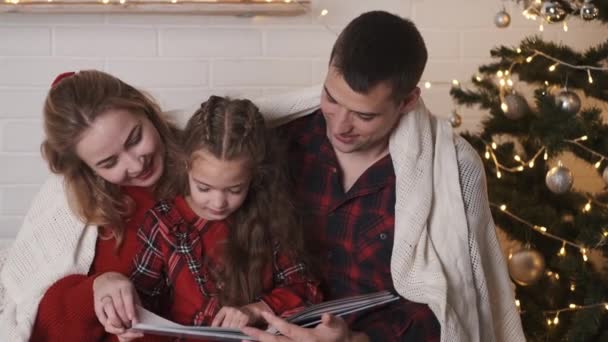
<point>111,152</point>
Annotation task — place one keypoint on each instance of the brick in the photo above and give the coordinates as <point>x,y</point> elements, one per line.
<point>40,71</point>
<point>210,42</point>
<point>160,73</point>
<point>341,12</point>
<point>299,43</point>
<point>446,71</point>
<point>16,200</point>
<point>25,41</point>
<point>24,103</point>
<point>22,169</point>
<point>105,41</point>
<point>52,19</point>
<point>261,73</point>
<point>22,136</point>
<point>319,71</point>
<point>478,43</point>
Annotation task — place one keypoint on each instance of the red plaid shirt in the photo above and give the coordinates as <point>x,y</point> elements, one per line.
<point>181,252</point>
<point>353,232</point>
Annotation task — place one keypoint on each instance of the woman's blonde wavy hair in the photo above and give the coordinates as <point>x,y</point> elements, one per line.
<point>71,106</point>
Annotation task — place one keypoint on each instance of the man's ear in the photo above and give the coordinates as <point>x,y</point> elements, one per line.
<point>409,102</point>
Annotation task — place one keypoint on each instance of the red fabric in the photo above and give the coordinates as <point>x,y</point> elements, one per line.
<point>61,76</point>
<point>180,254</point>
<point>66,311</point>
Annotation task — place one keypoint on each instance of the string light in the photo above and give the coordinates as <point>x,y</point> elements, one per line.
<point>427,84</point>
<point>324,12</point>
<point>584,254</point>
<point>565,26</point>
<point>552,67</point>
<point>562,251</point>
<point>590,78</point>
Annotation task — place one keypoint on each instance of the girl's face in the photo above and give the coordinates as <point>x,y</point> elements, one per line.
<point>123,148</point>
<point>217,187</point>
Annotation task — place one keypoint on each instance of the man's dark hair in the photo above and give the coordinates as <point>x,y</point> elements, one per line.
<point>376,47</point>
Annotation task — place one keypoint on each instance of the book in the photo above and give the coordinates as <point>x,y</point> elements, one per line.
<point>151,323</point>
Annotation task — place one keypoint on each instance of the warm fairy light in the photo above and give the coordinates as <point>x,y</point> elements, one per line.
<point>504,107</point>
<point>556,320</point>
<point>507,72</point>
<point>324,12</point>
<point>556,276</point>
<point>589,74</point>
<point>606,306</point>
<point>105,1</point>
<point>518,50</point>
<point>587,207</point>
<point>572,306</point>
<point>520,168</point>
<point>572,287</point>
<point>584,138</point>
<point>529,59</point>
<point>549,322</point>
<point>565,26</point>
<point>605,234</point>
<point>427,85</point>
<point>541,28</point>
<point>546,156</point>
<point>499,73</point>
<point>562,251</point>
<point>498,174</point>
<point>531,164</point>
<point>597,165</point>
<point>487,155</point>
<point>517,303</point>
<point>455,83</point>
<point>584,253</point>
<point>494,146</point>
<point>552,67</point>
<point>543,229</point>
<point>478,78</point>
<point>503,207</point>
<point>502,82</point>
<point>510,82</point>
<point>517,158</point>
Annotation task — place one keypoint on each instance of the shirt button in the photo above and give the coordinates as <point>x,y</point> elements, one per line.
<point>383,236</point>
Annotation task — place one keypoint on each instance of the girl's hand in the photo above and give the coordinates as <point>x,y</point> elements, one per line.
<point>231,317</point>
<point>114,299</point>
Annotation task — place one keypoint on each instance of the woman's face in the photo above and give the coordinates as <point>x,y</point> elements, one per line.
<point>123,148</point>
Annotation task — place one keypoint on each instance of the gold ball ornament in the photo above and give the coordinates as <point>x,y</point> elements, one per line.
<point>455,119</point>
<point>559,179</point>
<point>526,266</point>
<point>553,12</point>
<point>502,19</point>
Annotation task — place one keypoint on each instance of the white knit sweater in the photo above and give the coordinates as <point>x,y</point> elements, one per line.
<point>445,251</point>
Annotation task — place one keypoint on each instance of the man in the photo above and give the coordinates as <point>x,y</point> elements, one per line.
<point>345,181</point>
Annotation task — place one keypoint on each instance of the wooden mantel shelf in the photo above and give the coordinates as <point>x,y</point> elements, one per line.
<point>202,7</point>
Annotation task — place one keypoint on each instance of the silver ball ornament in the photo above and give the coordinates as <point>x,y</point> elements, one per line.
<point>517,106</point>
<point>559,179</point>
<point>605,175</point>
<point>589,11</point>
<point>553,12</point>
<point>455,119</point>
<point>568,101</point>
<point>502,19</point>
<point>526,266</point>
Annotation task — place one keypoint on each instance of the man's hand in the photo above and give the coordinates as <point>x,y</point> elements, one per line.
<point>331,329</point>
<point>114,299</point>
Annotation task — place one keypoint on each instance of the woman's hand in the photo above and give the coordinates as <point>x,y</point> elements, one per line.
<point>115,299</point>
<point>231,317</point>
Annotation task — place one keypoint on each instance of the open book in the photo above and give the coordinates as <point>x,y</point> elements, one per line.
<point>152,324</point>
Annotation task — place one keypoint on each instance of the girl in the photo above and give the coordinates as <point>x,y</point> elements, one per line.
<point>227,248</point>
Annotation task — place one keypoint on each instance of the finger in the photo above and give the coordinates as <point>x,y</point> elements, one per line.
<point>260,335</point>
<point>287,329</point>
<point>129,303</point>
<point>113,319</point>
<point>101,315</point>
<point>130,334</point>
<point>219,318</point>
<point>328,319</point>
<point>119,306</point>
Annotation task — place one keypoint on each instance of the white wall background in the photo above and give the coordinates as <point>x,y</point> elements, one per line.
<point>183,59</point>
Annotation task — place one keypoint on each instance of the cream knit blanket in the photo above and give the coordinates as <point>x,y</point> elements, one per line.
<point>445,251</point>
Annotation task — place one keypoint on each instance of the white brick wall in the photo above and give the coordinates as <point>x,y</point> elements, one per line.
<point>183,59</point>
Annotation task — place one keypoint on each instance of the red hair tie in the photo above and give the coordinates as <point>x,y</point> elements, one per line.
<point>62,76</point>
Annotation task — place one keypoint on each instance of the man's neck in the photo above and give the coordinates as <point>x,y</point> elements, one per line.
<point>353,165</point>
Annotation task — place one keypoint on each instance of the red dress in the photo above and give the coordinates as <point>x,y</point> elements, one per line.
<point>66,311</point>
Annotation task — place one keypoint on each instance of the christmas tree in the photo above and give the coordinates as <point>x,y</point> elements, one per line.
<point>560,294</point>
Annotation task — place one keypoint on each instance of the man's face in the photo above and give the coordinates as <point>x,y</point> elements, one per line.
<point>357,122</point>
